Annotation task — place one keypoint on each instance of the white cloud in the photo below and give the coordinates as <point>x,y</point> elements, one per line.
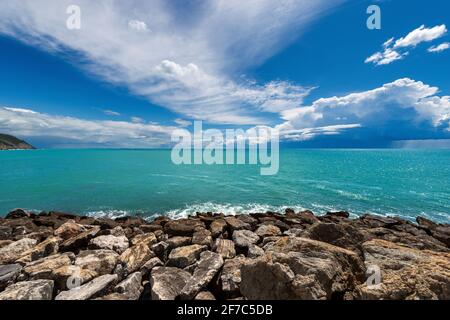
<point>74,131</point>
<point>111,113</point>
<point>402,106</point>
<point>137,120</point>
<point>189,63</point>
<point>442,47</point>
<point>183,123</point>
<point>395,50</point>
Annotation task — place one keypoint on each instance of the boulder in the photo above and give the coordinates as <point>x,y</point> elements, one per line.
<point>406,273</point>
<point>15,250</point>
<point>17,214</point>
<point>176,242</point>
<point>268,230</point>
<point>230,277</point>
<point>5,232</point>
<point>44,268</point>
<point>135,257</point>
<point>183,227</point>
<point>225,248</point>
<point>373,221</point>
<point>8,274</point>
<point>4,243</point>
<point>440,232</point>
<point>43,249</point>
<point>218,227</point>
<point>131,286</point>
<point>167,283</point>
<point>150,264</point>
<point>184,256</point>
<point>300,268</point>
<point>110,242</point>
<point>205,295</point>
<point>148,238</point>
<point>71,276</point>
<point>202,237</point>
<point>236,224</point>
<point>69,230</point>
<point>90,290</point>
<point>29,290</point>
<point>245,238</point>
<point>161,249</point>
<point>97,262</point>
<point>79,241</point>
<point>208,266</point>
<point>254,251</point>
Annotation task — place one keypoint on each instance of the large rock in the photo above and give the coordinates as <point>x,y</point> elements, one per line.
<point>150,264</point>
<point>43,249</point>
<point>225,248</point>
<point>268,230</point>
<point>69,230</point>
<point>29,290</point>
<point>148,238</point>
<point>98,262</point>
<point>5,232</point>
<point>177,241</point>
<point>8,274</point>
<point>439,231</point>
<point>79,241</point>
<point>15,250</point>
<point>131,286</point>
<point>245,238</point>
<point>406,273</point>
<point>135,257</point>
<point>185,256</point>
<point>71,276</point>
<point>183,227</point>
<point>167,283</point>
<point>236,224</point>
<point>90,290</point>
<point>202,237</point>
<point>299,268</point>
<point>218,227</point>
<point>44,268</point>
<point>230,277</point>
<point>208,266</point>
<point>110,242</point>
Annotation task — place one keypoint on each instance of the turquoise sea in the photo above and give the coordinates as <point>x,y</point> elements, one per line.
<point>406,183</point>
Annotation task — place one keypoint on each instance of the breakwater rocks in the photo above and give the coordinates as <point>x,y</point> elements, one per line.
<point>210,256</point>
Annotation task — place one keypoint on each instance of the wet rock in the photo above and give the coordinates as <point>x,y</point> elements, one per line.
<point>15,250</point>
<point>79,241</point>
<point>338,214</point>
<point>184,256</point>
<point>130,222</point>
<point>218,227</point>
<point>299,268</point>
<point>110,242</point>
<point>236,224</point>
<point>150,264</point>
<point>43,249</point>
<point>69,229</point>
<point>231,277</point>
<point>406,273</point>
<point>205,295</point>
<point>131,286</point>
<point>17,214</point>
<point>29,290</point>
<point>44,268</point>
<point>98,262</point>
<point>208,266</point>
<point>167,282</point>
<point>90,290</point>
<point>268,230</point>
<point>183,227</point>
<point>8,274</point>
<point>202,237</point>
<point>440,232</point>
<point>245,238</point>
<point>225,248</point>
<point>176,242</point>
<point>148,238</point>
<point>135,257</point>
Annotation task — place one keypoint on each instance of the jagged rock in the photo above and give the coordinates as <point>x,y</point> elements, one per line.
<point>167,282</point>
<point>17,214</point>
<point>148,238</point>
<point>225,248</point>
<point>252,222</point>
<point>131,286</point>
<point>338,214</point>
<point>440,232</point>
<point>98,262</point>
<point>69,230</point>
<point>5,232</point>
<point>184,256</point>
<point>218,227</point>
<point>378,221</point>
<point>231,277</point>
<point>254,251</point>
<point>15,250</point>
<point>176,242</point>
<point>202,237</point>
<point>151,228</point>
<point>135,257</point>
<point>150,264</point>
<point>301,218</point>
<point>161,249</point>
<point>208,266</point>
<point>406,273</point>
<point>236,224</point>
<point>183,227</point>
<point>90,290</point>
<point>29,290</point>
<point>245,238</point>
<point>8,274</point>
<point>117,232</point>
<point>268,230</point>
<point>299,268</point>
<point>44,268</point>
<point>71,276</point>
<point>43,249</point>
<point>117,244</point>
<point>205,295</point>
<point>80,241</point>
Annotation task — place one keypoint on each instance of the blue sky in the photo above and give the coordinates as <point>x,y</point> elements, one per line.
<point>312,69</point>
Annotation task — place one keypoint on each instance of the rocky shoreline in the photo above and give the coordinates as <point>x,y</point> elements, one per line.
<point>211,256</point>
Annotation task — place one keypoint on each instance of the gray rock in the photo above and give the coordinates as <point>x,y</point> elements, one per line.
<point>268,230</point>
<point>45,267</point>
<point>110,242</point>
<point>167,282</point>
<point>254,251</point>
<point>245,238</point>
<point>5,232</point>
<point>131,286</point>
<point>94,288</point>
<point>150,264</point>
<point>184,256</point>
<point>8,274</point>
<point>46,248</point>
<point>208,266</point>
<point>225,248</point>
<point>231,277</point>
<point>15,250</point>
<point>29,290</point>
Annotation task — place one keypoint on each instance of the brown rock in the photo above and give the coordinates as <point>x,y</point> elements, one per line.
<point>218,227</point>
<point>80,241</point>
<point>202,237</point>
<point>29,290</point>
<point>184,256</point>
<point>44,268</point>
<point>148,238</point>
<point>15,250</point>
<point>267,230</point>
<point>183,227</point>
<point>231,277</point>
<point>97,262</point>
<point>69,229</point>
<point>205,295</point>
<point>167,283</point>
<point>225,248</point>
<point>135,257</point>
<point>176,242</point>
<point>236,224</point>
<point>43,249</point>
<point>109,242</point>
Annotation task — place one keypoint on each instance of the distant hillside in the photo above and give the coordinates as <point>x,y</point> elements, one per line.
<point>8,142</point>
